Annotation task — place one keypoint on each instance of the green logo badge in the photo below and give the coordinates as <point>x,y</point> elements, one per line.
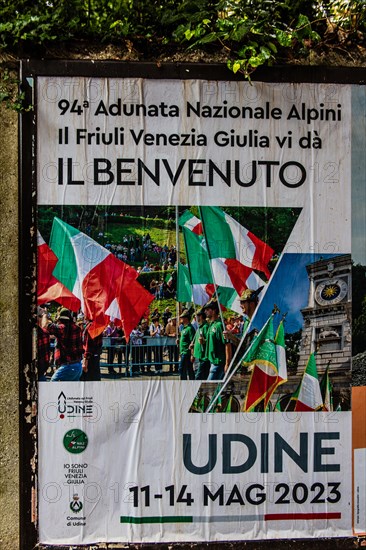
<point>75,441</point>
<point>76,505</point>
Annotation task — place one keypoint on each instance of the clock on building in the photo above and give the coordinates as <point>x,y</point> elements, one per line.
<point>331,292</point>
<point>327,316</point>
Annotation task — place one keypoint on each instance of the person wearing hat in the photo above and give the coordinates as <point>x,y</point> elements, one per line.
<point>186,337</point>
<point>199,349</point>
<point>218,349</point>
<point>69,346</point>
<point>248,302</point>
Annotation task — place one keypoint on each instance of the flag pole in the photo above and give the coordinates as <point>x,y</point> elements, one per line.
<point>189,273</point>
<point>188,263</point>
<point>325,379</point>
<point>234,370</point>
<point>212,273</point>
<point>232,362</point>
<point>178,262</point>
<point>251,321</point>
<point>300,383</point>
<point>274,388</point>
<point>242,340</point>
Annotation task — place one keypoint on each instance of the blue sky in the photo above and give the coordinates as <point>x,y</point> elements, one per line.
<point>288,289</point>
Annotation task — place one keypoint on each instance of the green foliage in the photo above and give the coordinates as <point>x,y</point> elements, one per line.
<point>358,289</point>
<point>349,15</point>
<point>359,331</point>
<point>358,308</point>
<point>251,32</point>
<point>160,305</point>
<point>10,94</point>
<point>292,341</point>
<point>141,227</point>
<point>145,278</point>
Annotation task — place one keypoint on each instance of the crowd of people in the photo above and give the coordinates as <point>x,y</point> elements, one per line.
<point>134,249</point>
<point>152,257</point>
<point>198,347</point>
<point>208,344</point>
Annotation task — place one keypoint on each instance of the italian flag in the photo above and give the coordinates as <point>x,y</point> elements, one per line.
<point>198,267</point>
<point>280,357</point>
<point>184,289</point>
<point>106,287</point>
<point>281,354</point>
<point>326,390</point>
<point>191,222</point>
<point>198,293</point>
<point>232,278</point>
<point>49,289</point>
<point>228,276</point>
<point>262,357</point>
<point>227,239</point>
<point>308,395</point>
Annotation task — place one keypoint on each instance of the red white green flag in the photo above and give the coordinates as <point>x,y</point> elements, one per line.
<point>106,287</point>
<point>184,289</point>
<point>197,293</point>
<point>308,395</point>
<point>198,267</point>
<point>281,359</point>
<point>326,390</point>
<point>230,276</point>
<point>262,358</point>
<point>228,239</point>
<point>281,354</point>
<point>49,289</point>
<point>191,222</point>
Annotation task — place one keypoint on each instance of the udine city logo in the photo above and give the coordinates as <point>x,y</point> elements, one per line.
<point>75,407</point>
<point>76,505</point>
<point>75,441</point>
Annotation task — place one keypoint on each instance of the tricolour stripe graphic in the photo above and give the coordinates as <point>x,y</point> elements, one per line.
<point>229,519</point>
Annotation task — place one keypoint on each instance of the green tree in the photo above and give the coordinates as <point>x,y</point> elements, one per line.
<point>250,33</point>
<point>359,331</point>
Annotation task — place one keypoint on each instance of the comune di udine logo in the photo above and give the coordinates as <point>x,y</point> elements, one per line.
<point>76,505</point>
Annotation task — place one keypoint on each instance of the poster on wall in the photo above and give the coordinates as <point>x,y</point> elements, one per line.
<point>194,305</point>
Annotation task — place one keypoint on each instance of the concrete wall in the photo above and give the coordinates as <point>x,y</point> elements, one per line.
<point>9,331</point>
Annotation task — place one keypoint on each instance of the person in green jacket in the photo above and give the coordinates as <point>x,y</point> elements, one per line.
<point>186,337</point>
<point>218,349</point>
<point>199,349</point>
